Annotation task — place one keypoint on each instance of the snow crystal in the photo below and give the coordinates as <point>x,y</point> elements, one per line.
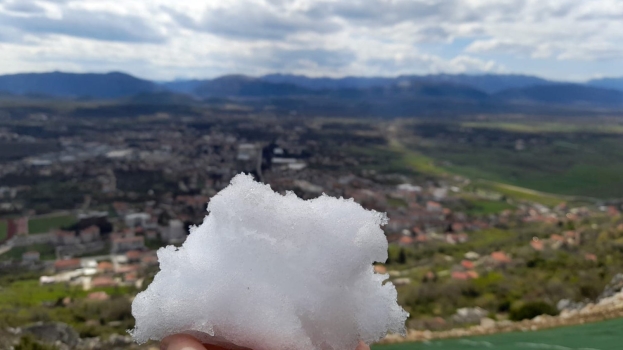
<point>267,271</point>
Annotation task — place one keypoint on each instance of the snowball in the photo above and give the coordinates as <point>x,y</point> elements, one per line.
<point>267,271</point>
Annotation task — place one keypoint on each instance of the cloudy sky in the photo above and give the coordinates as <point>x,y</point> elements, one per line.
<point>169,39</point>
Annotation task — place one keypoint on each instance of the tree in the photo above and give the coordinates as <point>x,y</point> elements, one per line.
<point>402,257</point>
<point>531,310</point>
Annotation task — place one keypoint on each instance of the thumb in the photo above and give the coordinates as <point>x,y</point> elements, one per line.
<point>362,346</point>
<point>184,342</point>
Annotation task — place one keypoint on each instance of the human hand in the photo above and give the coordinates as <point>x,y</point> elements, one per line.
<point>186,342</point>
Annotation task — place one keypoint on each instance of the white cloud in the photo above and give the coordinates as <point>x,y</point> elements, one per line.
<point>164,39</point>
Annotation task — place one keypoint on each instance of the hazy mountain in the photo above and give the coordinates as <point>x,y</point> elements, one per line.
<point>243,86</point>
<point>161,98</point>
<point>428,89</point>
<point>183,86</point>
<point>607,83</point>
<point>567,94</point>
<point>490,83</point>
<point>400,96</point>
<point>329,83</point>
<point>109,85</point>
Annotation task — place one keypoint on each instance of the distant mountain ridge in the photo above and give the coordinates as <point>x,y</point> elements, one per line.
<point>400,94</point>
<point>607,83</point>
<point>489,83</point>
<point>59,84</point>
<point>564,94</point>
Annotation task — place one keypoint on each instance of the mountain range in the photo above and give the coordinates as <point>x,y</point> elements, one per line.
<point>403,93</point>
<point>58,84</point>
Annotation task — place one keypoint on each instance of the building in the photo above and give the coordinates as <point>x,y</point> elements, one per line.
<point>149,259</point>
<point>137,219</point>
<point>17,226</point>
<point>90,234</point>
<point>122,245</point>
<point>151,234</point>
<point>247,152</point>
<point>433,206</point>
<point>31,256</point>
<point>134,255</point>
<point>468,265</point>
<point>66,265</point>
<point>175,233</point>
<point>98,296</point>
<point>103,281</point>
<point>406,241</point>
<point>537,244</point>
<point>62,237</point>
<point>105,266</point>
<point>501,258</point>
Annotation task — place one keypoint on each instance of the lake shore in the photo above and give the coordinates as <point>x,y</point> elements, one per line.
<point>606,309</point>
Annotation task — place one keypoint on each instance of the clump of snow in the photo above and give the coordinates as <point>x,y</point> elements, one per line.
<point>267,271</point>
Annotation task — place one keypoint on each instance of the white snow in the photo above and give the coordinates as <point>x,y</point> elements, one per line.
<point>266,271</point>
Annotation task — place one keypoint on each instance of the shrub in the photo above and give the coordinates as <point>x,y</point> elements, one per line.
<point>531,310</point>
<point>27,343</point>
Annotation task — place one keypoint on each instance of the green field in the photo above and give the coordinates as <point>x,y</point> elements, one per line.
<point>566,159</point>
<point>45,224</point>
<point>3,230</point>
<point>46,251</point>
<point>26,301</point>
<point>535,126</point>
<point>485,207</point>
<point>595,336</point>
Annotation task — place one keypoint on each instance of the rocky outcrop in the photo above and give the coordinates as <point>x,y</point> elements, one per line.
<point>59,334</point>
<point>64,337</point>
<point>615,286</point>
<point>469,315</point>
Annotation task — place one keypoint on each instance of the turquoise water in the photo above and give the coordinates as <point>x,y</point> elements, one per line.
<point>607,335</point>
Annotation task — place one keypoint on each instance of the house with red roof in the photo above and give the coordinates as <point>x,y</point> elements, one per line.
<point>66,265</point>
<point>501,258</point>
<point>472,274</point>
<point>433,206</point>
<point>105,266</point>
<point>103,281</point>
<point>149,259</point>
<point>468,265</point>
<point>405,240</point>
<point>98,296</point>
<point>459,275</point>
<point>134,255</point>
<point>537,244</point>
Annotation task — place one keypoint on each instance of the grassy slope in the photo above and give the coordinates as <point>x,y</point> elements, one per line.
<point>484,207</point>
<point>572,163</point>
<point>520,193</point>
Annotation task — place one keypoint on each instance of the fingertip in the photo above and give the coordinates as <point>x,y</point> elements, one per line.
<point>362,346</point>
<point>180,342</point>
